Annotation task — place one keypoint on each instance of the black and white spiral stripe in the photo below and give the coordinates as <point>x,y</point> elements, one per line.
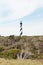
<point>21,28</point>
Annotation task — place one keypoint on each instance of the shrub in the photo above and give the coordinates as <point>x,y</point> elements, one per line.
<point>1,48</point>
<point>12,53</point>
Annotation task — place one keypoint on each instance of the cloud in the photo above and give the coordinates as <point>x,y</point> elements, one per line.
<point>9,29</point>
<point>33,29</point>
<point>11,10</point>
<point>15,9</point>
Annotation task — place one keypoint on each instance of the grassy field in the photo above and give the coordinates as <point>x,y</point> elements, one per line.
<point>19,62</point>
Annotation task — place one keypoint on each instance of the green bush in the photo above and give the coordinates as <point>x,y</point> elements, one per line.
<point>12,53</point>
<point>1,49</point>
<point>40,56</point>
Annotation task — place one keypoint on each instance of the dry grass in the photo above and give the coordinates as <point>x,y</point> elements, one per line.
<point>19,62</point>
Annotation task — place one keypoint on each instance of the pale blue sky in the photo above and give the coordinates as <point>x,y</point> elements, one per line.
<point>29,11</point>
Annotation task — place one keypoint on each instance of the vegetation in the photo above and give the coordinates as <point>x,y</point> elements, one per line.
<point>12,53</point>
<point>1,48</point>
<point>12,45</point>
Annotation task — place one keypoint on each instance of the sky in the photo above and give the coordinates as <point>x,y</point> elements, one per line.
<point>30,12</point>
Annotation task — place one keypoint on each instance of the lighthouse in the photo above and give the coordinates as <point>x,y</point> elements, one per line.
<point>21,31</point>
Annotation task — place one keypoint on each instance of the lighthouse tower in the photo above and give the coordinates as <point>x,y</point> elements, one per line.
<point>21,32</point>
